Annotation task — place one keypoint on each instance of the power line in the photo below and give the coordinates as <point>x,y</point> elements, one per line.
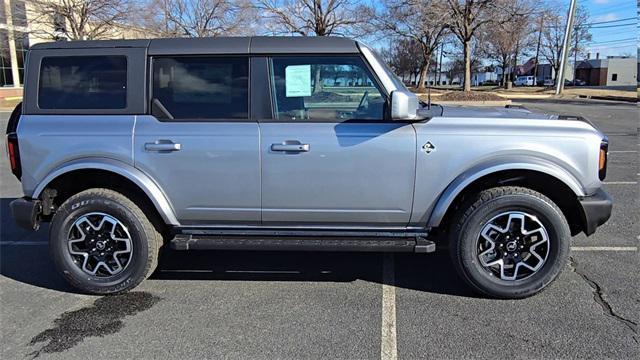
<point>611,26</point>
<point>591,27</point>
<point>611,21</point>
<point>614,41</point>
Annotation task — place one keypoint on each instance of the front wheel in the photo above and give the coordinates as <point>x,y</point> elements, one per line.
<point>102,243</point>
<point>509,242</point>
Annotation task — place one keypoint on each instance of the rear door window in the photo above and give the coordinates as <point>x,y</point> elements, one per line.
<point>83,82</point>
<point>202,88</point>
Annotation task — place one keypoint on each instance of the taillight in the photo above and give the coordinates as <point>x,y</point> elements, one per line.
<point>602,162</point>
<point>14,155</point>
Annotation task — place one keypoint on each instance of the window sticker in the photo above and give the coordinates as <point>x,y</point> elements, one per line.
<point>297,80</point>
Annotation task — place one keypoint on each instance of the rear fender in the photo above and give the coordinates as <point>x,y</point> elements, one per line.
<point>150,188</point>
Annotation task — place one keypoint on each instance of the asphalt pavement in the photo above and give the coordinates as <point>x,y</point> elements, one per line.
<point>297,305</point>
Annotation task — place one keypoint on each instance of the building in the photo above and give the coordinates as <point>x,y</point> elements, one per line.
<point>487,76</point>
<point>543,72</point>
<point>612,71</point>
<point>22,25</point>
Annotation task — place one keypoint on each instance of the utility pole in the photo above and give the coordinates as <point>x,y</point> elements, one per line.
<point>575,55</point>
<point>565,47</point>
<point>440,64</point>
<point>535,67</point>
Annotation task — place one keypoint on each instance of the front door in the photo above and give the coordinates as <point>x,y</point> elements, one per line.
<point>199,145</point>
<point>329,157</point>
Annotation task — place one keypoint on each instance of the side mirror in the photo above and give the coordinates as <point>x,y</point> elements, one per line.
<point>404,105</point>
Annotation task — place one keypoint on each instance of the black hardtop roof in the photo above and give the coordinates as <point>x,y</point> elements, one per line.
<point>219,45</point>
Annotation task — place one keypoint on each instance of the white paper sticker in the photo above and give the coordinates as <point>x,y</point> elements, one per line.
<point>297,80</point>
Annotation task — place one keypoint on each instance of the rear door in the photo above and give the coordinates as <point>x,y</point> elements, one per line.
<point>329,156</point>
<point>199,144</point>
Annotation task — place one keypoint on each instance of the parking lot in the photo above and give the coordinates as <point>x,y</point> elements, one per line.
<point>296,305</point>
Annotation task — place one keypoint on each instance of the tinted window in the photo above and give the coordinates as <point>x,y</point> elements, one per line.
<point>83,82</point>
<point>325,89</point>
<point>202,87</point>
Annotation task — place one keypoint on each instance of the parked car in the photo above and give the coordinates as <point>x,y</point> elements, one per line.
<point>525,81</point>
<point>549,82</point>
<point>229,143</point>
<point>576,82</point>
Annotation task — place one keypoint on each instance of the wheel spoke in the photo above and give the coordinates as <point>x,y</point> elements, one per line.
<point>513,245</point>
<point>100,244</point>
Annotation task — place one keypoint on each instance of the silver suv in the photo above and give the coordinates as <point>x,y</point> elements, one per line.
<point>288,144</point>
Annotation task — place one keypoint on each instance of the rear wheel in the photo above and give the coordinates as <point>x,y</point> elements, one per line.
<point>102,243</point>
<point>510,242</point>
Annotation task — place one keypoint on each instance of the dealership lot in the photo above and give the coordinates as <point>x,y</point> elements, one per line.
<point>337,305</point>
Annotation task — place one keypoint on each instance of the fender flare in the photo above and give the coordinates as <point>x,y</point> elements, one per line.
<point>150,188</point>
<point>478,171</point>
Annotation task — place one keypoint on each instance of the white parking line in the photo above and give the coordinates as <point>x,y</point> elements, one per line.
<point>622,151</point>
<point>262,272</point>
<point>620,182</point>
<point>388,343</point>
<point>25,243</point>
<point>604,248</point>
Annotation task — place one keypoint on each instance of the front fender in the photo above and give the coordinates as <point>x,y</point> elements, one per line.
<point>483,169</point>
<point>139,178</point>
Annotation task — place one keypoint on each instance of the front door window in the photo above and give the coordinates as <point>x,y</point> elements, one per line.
<point>325,89</point>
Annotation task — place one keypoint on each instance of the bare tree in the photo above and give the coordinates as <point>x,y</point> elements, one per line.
<point>315,17</point>
<point>423,22</point>
<point>553,34</point>
<point>78,19</point>
<point>499,47</point>
<point>200,18</point>
<point>404,58</point>
<point>466,17</point>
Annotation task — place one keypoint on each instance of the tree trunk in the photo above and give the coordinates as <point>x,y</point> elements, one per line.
<point>424,69</point>
<point>317,85</point>
<point>505,78</point>
<point>467,66</point>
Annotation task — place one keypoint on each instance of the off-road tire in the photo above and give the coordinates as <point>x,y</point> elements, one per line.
<point>477,211</point>
<point>146,241</point>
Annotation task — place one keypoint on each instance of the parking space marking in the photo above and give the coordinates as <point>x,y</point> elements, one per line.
<point>21,243</point>
<point>620,182</point>
<point>604,248</point>
<point>262,271</point>
<point>388,343</point>
<point>623,151</point>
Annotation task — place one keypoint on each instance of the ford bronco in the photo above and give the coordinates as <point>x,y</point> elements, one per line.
<point>288,144</point>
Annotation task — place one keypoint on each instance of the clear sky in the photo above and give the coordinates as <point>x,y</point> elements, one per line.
<point>618,35</point>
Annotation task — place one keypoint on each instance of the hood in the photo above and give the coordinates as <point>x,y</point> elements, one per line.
<point>492,112</point>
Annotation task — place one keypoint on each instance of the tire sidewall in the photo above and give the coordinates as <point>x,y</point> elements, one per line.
<point>559,238</point>
<point>62,222</point>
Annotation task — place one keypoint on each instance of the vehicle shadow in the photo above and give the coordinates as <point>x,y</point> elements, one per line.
<point>24,257</point>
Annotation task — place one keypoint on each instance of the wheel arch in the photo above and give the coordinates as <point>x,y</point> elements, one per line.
<point>551,181</point>
<point>111,174</point>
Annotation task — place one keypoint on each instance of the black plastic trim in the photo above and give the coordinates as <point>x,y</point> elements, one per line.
<point>596,209</point>
<point>26,213</point>
<point>297,243</point>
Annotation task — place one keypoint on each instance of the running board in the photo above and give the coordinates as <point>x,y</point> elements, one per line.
<point>298,243</point>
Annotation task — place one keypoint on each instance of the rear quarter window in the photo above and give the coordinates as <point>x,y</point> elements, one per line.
<point>83,82</point>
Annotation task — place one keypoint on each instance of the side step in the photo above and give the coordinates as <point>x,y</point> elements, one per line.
<point>298,243</point>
